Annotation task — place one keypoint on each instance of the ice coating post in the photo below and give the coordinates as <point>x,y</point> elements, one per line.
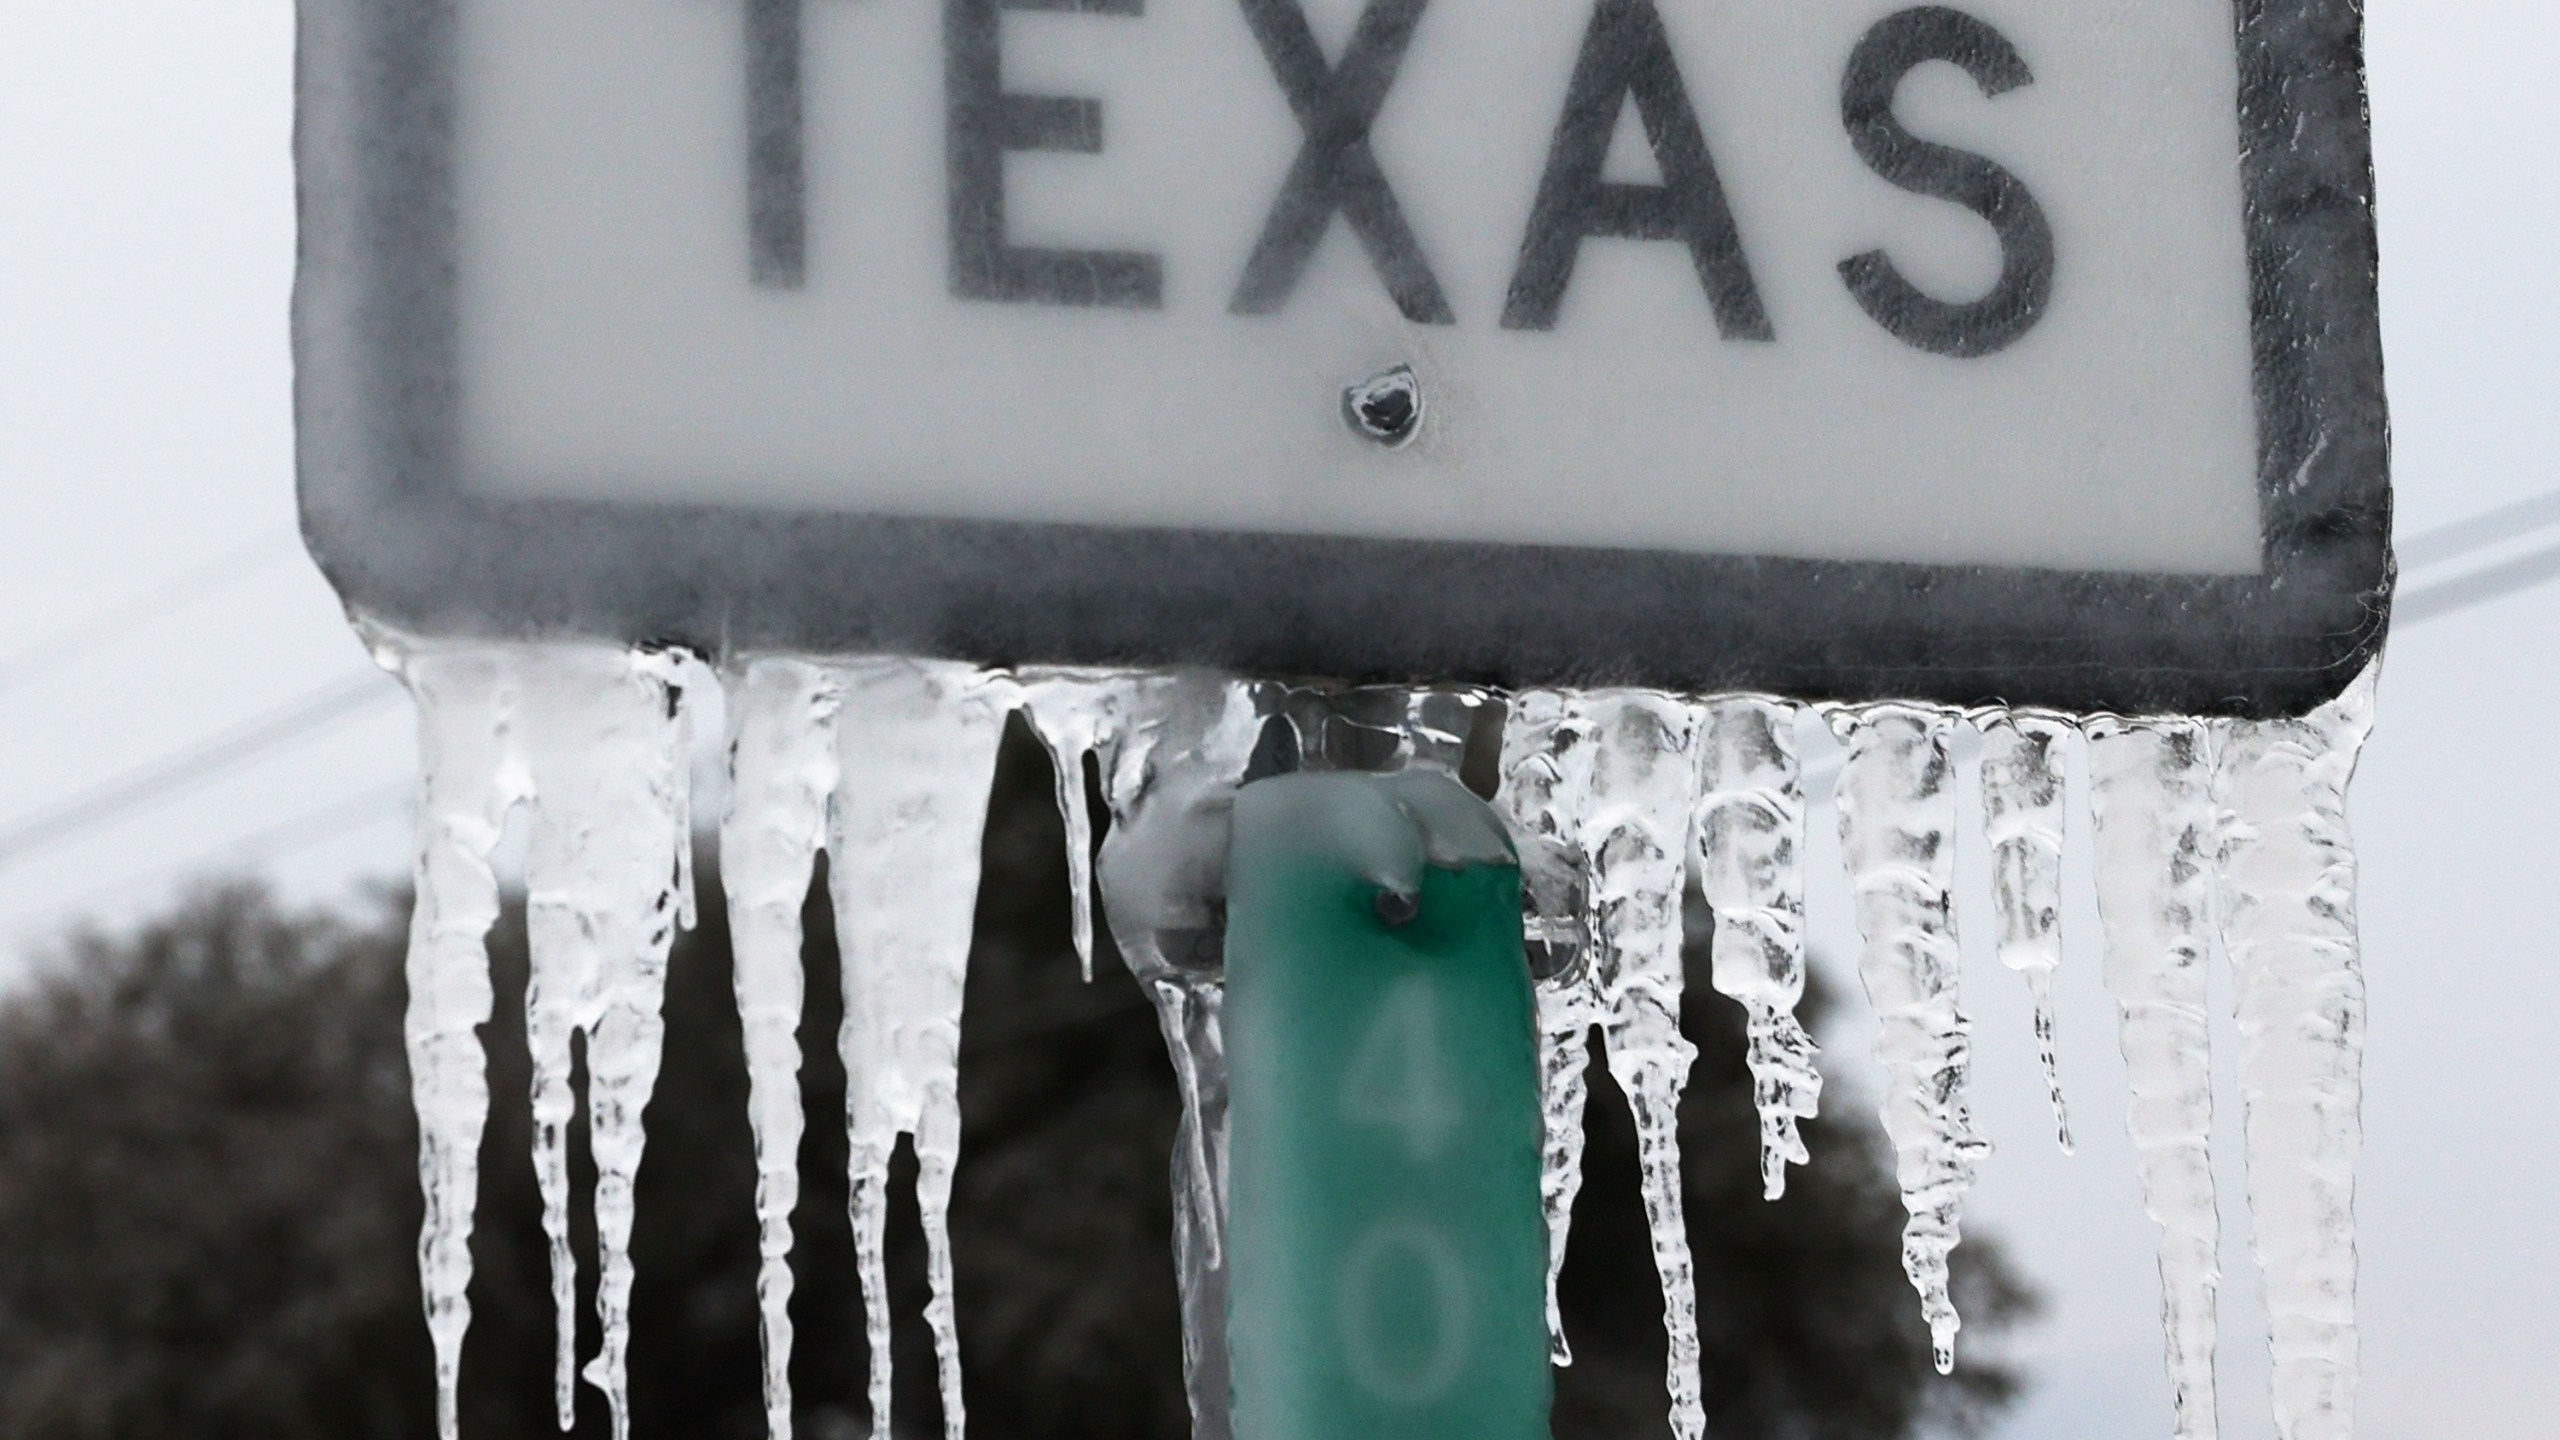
<point>782,778</point>
<point>2156,837</point>
<point>1897,811</point>
<point>1170,769</point>
<point>1750,838</point>
<point>2022,816</point>
<point>469,779</point>
<point>2288,874</point>
<point>915,752</point>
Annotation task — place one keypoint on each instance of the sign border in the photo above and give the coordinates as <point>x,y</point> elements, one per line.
<point>386,514</point>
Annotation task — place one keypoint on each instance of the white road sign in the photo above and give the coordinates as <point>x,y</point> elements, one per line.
<point>2018,349</point>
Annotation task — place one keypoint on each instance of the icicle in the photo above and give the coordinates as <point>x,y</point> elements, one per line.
<point>1170,769</point>
<point>605,881</point>
<point>1603,784</point>
<point>1896,802</point>
<point>1544,810</point>
<point>1072,712</point>
<point>469,780</point>
<point>916,750</point>
<point>1750,838</point>
<point>2288,888</point>
<point>1566,1013</point>
<point>1544,816</point>
<point>560,991</point>
<point>2022,784</point>
<point>782,773</point>
<point>1641,759</point>
<point>2152,782</point>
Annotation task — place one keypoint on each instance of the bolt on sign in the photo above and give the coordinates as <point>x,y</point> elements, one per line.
<point>2014,350</point>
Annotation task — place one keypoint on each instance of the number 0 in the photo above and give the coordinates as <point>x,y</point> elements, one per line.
<point>1443,1275</point>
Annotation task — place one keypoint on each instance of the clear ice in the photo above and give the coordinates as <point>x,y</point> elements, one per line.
<point>1897,811</point>
<point>782,781</point>
<point>1071,712</point>
<point>1617,785</point>
<point>2288,873</point>
<point>469,779</point>
<point>1543,811</point>
<point>2156,836</point>
<point>592,740</point>
<point>884,766</point>
<point>2022,816</point>
<point>1642,751</point>
<point>1170,770</point>
<point>915,754</point>
<point>1750,837</point>
<point>607,882</point>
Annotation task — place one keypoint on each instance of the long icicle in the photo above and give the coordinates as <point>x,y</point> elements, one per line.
<point>561,985</point>
<point>469,779</point>
<point>1641,759</point>
<point>1750,838</point>
<point>2289,925</point>
<point>2022,814</point>
<point>1545,822</point>
<point>606,888</point>
<point>916,747</point>
<point>2152,783</point>
<point>1897,810</point>
<point>782,775</point>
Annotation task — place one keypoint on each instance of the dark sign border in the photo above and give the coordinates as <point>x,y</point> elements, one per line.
<point>405,542</point>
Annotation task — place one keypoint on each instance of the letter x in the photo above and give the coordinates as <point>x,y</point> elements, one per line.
<point>1336,170</point>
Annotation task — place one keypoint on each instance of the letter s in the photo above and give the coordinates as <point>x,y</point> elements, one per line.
<point>1897,45</point>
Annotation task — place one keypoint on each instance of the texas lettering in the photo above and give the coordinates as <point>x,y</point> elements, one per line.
<point>1626,59</point>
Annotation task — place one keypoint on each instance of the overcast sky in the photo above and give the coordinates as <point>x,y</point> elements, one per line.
<point>155,607</point>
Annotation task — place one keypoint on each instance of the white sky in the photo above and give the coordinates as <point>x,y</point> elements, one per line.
<point>146,243</point>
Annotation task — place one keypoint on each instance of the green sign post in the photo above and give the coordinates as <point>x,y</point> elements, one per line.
<point>1387,1253</point>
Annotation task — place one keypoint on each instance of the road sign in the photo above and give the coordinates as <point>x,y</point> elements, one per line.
<point>1387,1256</point>
<point>2015,349</point>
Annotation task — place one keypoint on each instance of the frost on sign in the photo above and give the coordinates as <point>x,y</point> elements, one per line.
<point>2017,350</point>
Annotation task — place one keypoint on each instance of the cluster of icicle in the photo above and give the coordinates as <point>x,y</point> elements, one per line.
<point>2205,830</point>
<point>592,743</point>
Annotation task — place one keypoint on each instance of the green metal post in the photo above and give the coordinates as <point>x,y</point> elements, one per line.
<point>1386,1250</point>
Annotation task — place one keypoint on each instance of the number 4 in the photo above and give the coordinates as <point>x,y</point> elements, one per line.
<point>1397,1079</point>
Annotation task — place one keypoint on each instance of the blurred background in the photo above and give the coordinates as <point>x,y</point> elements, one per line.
<point>207,1198</point>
